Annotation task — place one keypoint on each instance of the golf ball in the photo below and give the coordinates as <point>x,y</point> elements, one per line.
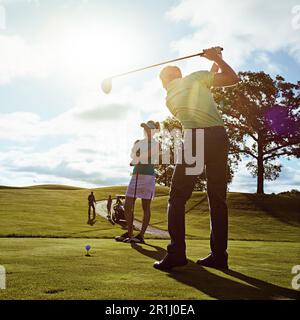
<point>87,247</point>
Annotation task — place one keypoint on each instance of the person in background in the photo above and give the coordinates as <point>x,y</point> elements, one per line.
<point>142,183</point>
<point>108,206</point>
<point>91,203</point>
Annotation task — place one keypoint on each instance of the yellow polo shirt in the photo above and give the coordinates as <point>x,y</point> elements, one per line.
<point>190,100</point>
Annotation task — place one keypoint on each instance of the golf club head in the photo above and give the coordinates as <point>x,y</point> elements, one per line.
<point>106,85</point>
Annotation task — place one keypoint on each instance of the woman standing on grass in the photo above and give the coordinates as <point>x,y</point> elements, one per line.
<point>142,183</point>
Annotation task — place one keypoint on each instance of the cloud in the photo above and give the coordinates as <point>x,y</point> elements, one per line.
<point>87,145</point>
<point>241,27</point>
<point>64,170</point>
<point>263,59</point>
<point>18,59</point>
<point>289,178</point>
<point>106,112</point>
<point>82,161</point>
<point>18,126</point>
<point>94,153</point>
<point>99,128</point>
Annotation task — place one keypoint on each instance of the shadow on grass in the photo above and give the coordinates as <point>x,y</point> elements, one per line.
<point>283,209</point>
<point>219,287</point>
<point>202,200</point>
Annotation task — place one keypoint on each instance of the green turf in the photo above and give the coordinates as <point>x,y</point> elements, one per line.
<point>53,211</point>
<point>58,211</point>
<point>58,269</point>
<point>251,217</point>
<point>43,232</point>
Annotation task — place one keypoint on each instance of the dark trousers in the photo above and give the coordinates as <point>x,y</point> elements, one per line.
<point>215,159</point>
<point>108,207</point>
<point>91,205</point>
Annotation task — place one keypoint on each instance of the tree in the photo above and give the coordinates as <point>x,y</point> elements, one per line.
<point>165,171</point>
<point>262,116</point>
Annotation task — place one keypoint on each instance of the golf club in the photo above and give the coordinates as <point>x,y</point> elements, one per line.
<point>107,83</point>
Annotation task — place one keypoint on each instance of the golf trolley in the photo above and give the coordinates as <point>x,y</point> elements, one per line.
<point>118,209</point>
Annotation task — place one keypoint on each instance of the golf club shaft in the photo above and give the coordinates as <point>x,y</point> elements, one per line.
<point>158,64</point>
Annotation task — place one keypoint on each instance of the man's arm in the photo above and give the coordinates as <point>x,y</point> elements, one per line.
<point>227,76</point>
<point>135,153</point>
<point>215,68</point>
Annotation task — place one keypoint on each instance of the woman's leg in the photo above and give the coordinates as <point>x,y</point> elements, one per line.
<point>146,203</point>
<point>129,206</point>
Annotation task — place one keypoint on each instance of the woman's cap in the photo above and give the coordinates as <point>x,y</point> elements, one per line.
<point>150,125</point>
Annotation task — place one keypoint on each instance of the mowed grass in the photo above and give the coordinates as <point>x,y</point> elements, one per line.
<point>251,217</point>
<point>43,233</point>
<point>59,269</point>
<point>59,211</point>
<point>54,211</point>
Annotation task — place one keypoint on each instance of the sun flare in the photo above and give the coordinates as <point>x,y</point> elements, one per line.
<point>95,49</point>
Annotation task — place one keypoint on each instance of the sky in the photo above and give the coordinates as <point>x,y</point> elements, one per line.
<point>56,126</point>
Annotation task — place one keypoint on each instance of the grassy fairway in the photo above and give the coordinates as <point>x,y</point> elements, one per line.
<point>251,217</point>
<point>43,232</point>
<point>53,211</point>
<point>61,212</point>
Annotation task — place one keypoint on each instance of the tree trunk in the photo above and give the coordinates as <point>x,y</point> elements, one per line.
<point>260,167</point>
<point>166,178</point>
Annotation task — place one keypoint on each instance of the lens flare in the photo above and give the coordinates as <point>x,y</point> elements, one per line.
<point>281,121</point>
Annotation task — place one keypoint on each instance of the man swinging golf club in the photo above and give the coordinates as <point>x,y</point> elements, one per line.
<point>190,100</point>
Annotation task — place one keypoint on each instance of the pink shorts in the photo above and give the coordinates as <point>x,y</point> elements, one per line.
<point>141,186</point>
